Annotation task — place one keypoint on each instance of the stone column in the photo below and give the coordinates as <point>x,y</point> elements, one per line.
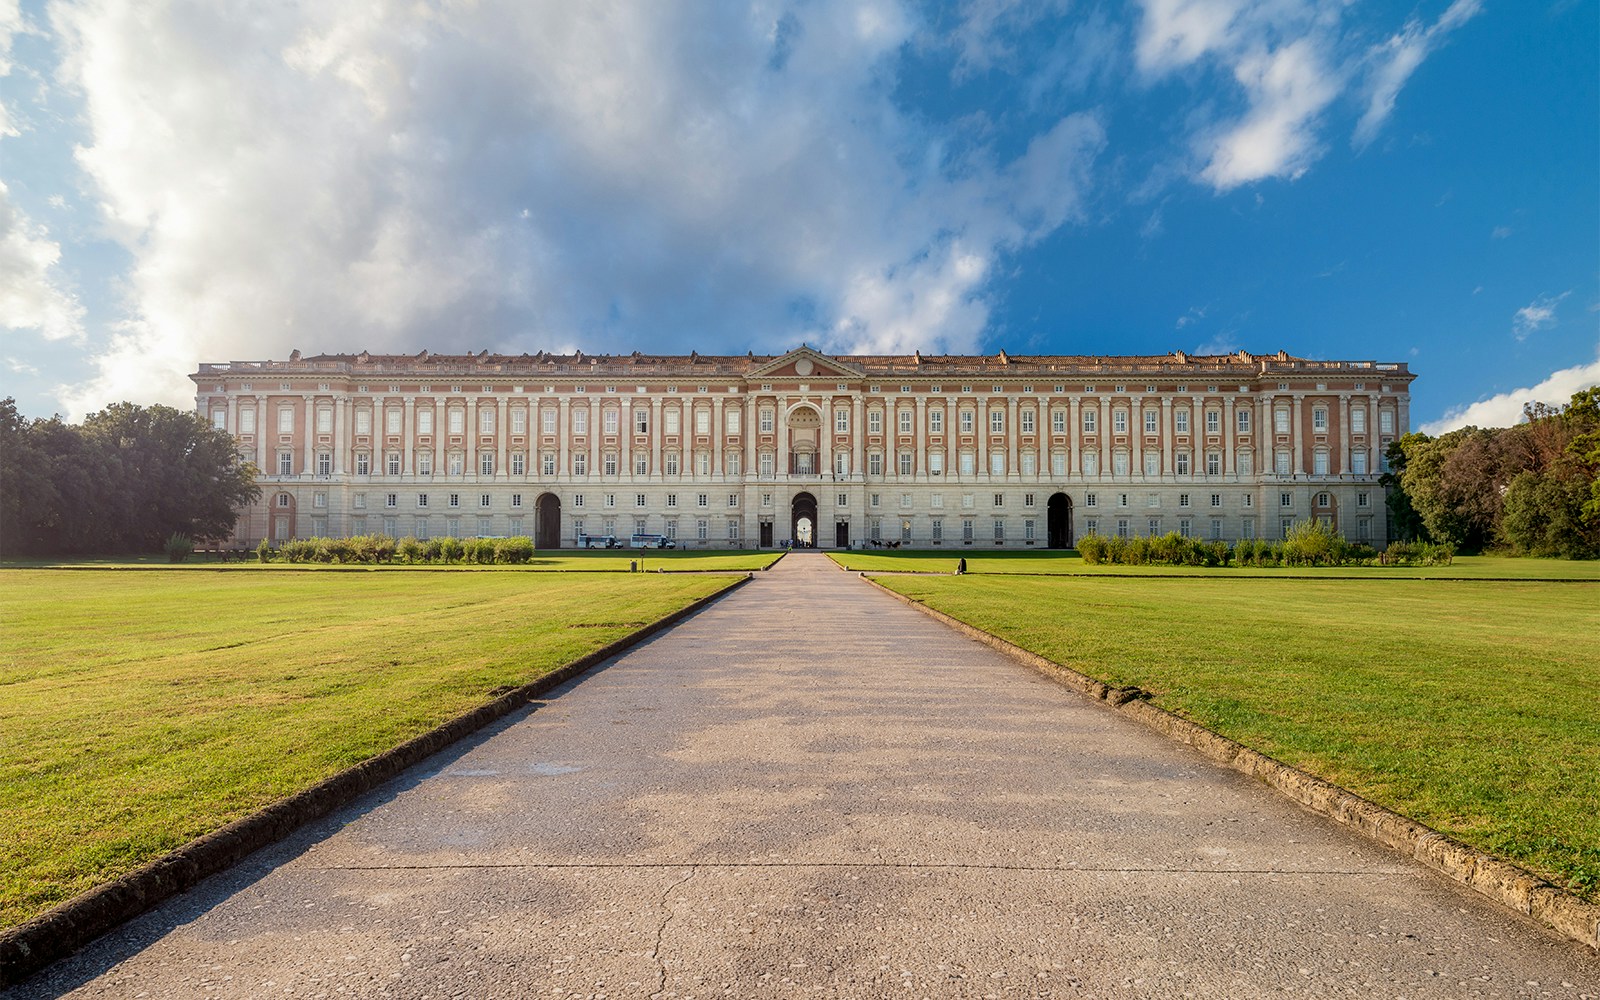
<point>719,436</point>
<point>309,431</point>
<point>983,438</point>
<point>1343,465</point>
<point>780,428</point>
<point>858,444</point>
<point>1297,437</point>
<point>408,435</point>
<point>1136,426</point>
<point>1166,436</point>
<point>1074,437</point>
<point>502,435</point>
<point>826,443</point>
<point>655,438</point>
<point>1229,431</point>
<point>264,424</point>
<point>471,461</point>
<point>919,439</point>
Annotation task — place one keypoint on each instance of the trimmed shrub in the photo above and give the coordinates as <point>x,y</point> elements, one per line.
<point>265,552</point>
<point>178,548</point>
<point>410,551</point>
<point>1094,549</point>
<point>450,550</point>
<point>518,550</point>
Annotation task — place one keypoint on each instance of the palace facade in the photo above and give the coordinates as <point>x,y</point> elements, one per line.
<point>729,451</point>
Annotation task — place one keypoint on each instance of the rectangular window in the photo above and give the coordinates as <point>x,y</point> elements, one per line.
<point>999,530</point>
<point>319,499</point>
<point>1185,527</point>
<point>580,464</point>
<point>641,464</point>
<point>1284,526</point>
<point>424,421</point>
<point>547,464</point>
<point>936,530</point>
<point>1281,463</point>
<point>1386,421</point>
<point>608,500</point>
<point>324,464</point>
<point>485,420</point>
<point>519,464</point>
<point>1091,500</point>
<point>1319,419</point>
<point>671,420</point>
<point>577,500</point>
<point>997,421</point>
<point>967,463</point>
<point>1027,530</point>
<point>1242,418</point>
<point>516,500</point>
<point>966,529</point>
<point>610,463</point>
<point>1058,422</point>
<point>608,420</point>
<point>1280,420</point>
<point>1213,422</point>
<point>1122,527</point>
<point>874,421</point>
<point>875,500</point>
<point>1319,463</point>
<point>1027,421</point>
<point>1216,529</point>
<point>456,420</point>
<point>1358,420</point>
<point>486,464</point>
<point>1216,499</point>
<point>1247,528</point>
<point>1181,421</point>
<point>936,463</point>
<point>1152,463</point>
<point>1363,499</point>
<point>1119,421</point>
<point>1119,463</point>
<point>702,421</point>
<point>285,420</point>
<point>905,420</point>
<point>391,421</point>
<point>391,499</point>
<point>733,499</point>
<point>702,500</point>
<point>997,463</point>
<point>483,499</point>
<point>324,420</point>
<point>1030,463</point>
<point>286,464</point>
<point>1091,420</point>
<point>519,421</point>
<point>1150,417</point>
<point>1249,500</point>
<point>1183,499</point>
<point>1213,463</point>
<point>936,421</point>
<point>456,459</point>
<point>733,531</point>
<point>731,420</point>
<point>547,420</point>
<point>638,499</point>
<point>363,421</point>
<point>702,529</point>
<point>905,463</point>
<point>422,499</point>
<point>455,500</point>
<point>671,463</point>
<point>1285,499</point>
<point>1181,463</point>
<point>641,420</point>
<point>966,421</point>
<point>358,501</point>
<point>766,420</point>
<point>672,499</point>
<point>874,464</point>
<point>580,421</point>
<point>1091,526</point>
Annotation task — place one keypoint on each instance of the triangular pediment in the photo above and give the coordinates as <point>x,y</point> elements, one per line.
<point>803,362</point>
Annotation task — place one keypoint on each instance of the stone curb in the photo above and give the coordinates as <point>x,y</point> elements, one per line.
<point>62,930</point>
<point>1499,880</point>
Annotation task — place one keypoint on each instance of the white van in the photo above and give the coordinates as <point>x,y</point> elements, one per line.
<point>646,541</point>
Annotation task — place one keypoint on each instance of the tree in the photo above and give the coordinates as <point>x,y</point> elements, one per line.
<point>125,480</point>
<point>1407,522</point>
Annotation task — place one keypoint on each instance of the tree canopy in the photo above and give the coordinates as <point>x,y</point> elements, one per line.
<point>1533,488</point>
<point>124,480</point>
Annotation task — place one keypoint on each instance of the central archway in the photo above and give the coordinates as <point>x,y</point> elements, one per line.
<point>803,509</point>
<point>547,522</point>
<point>1060,523</point>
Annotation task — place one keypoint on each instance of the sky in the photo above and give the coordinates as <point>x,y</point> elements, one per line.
<point>185,182</point>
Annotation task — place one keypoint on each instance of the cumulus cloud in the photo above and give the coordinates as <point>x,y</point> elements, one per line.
<point>1505,409</point>
<point>1536,315</point>
<point>33,297</point>
<point>1289,61</point>
<point>516,177</point>
<point>1395,60</point>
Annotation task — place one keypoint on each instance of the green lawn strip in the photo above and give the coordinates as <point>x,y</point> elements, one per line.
<point>573,560</point>
<point>1472,707</point>
<point>141,710</point>
<point>1068,562</point>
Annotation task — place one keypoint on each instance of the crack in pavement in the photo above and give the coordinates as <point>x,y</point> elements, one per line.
<point>661,930</point>
<point>884,865</point>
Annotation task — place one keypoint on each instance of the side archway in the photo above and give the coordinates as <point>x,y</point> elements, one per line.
<point>1060,521</point>
<point>547,522</point>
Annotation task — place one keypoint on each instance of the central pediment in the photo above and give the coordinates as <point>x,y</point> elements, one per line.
<point>803,362</point>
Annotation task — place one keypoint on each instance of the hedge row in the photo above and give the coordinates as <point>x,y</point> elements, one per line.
<point>1309,543</point>
<point>373,549</point>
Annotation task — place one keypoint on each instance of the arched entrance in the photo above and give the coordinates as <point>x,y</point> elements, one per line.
<point>547,522</point>
<point>282,515</point>
<point>803,520</point>
<point>1060,523</point>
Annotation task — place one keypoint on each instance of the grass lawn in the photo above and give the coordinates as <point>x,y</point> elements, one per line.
<point>570,560</point>
<point>1067,561</point>
<point>139,710</point>
<point>1473,707</point>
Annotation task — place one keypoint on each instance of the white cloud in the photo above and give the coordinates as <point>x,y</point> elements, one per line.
<point>1536,315</point>
<point>1222,343</point>
<point>32,297</point>
<point>1500,232</point>
<point>1395,60</point>
<point>516,177</point>
<point>1505,409</point>
<point>1289,60</point>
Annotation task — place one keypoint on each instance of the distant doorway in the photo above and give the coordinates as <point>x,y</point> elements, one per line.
<point>841,534</point>
<point>766,534</point>
<point>803,520</point>
<point>1060,523</point>
<point>547,522</point>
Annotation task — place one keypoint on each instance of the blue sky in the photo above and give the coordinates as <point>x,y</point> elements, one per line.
<point>189,181</point>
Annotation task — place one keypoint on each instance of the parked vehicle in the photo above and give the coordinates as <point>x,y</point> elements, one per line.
<point>648,541</point>
<point>598,542</point>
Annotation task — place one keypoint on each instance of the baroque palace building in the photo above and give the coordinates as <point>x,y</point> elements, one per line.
<point>729,451</point>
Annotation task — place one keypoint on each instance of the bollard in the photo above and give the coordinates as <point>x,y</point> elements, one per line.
<point>633,567</point>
